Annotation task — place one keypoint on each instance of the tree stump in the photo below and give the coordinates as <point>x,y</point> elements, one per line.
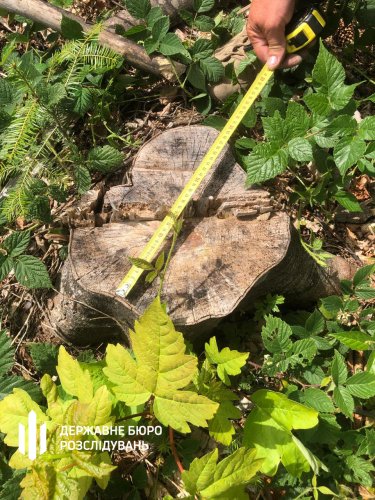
<point>233,247</point>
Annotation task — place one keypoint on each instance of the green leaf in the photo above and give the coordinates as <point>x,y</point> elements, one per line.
<point>160,262</point>
<point>141,264</point>
<point>196,77</point>
<point>201,49</point>
<point>347,152</point>
<point>355,340</point>
<point>204,23</point>
<point>348,201</point>
<point>75,380</point>
<point>44,357</point>
<point>160,369</point>
<point>172,45</point>
<point>71,29</point>
<point>330,306</point>
<point>276,335</point>
<point>6,92</point>
<point>268,429</point>
<point>104,158</point>
<point>361,385</point>
<point>31,272</point>
<point>14,410</point>
<point>221,427</point>
<point>82,100</point>
<point>328,77</point>
<point>328,73</point>
<point>138,8</point>
<point>341,97</point>
<point>297,120</point>
<point>6,353</point>
<point>151,45</point>
<point>362,274</point>
<point>339,370</point>
<point>203,5</point>
<point>300,149</point>
<point>10,382</point>
<point>6,266</point>
<point>249,60</point>
<point>318,399</point>
<point>342,125</point>
<point>317,103</point>
<point>216,480</point>
<point>212,68</point>
<point>160,28</point>
<point>82,179</point>
<point>217,122</point>
<point>315,323</point>
<point>366,129</point>
<point>265,162</point>
<point>344,400</point>
<point>154,15</point>
<point>229,362</point>
<point>365,292</point>
<point>17,243</point>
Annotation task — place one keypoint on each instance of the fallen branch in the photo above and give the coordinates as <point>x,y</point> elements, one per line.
<point>51,16</point>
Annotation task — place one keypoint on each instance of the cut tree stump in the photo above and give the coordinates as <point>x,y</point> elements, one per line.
<point>233,248</point>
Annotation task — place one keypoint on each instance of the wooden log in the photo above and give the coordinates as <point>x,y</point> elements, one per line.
<point>232,249</point>
<point>50,16</point>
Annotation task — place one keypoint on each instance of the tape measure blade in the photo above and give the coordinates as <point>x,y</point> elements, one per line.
<point>152,247</point>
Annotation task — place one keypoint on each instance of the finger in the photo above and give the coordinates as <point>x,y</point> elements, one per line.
<point>276,46</point>
<point>258,41</point>
<point>291,61</point>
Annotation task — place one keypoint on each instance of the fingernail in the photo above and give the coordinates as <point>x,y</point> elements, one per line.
<point>272,61</point>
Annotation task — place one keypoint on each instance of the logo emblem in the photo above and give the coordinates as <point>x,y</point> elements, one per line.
<point>32,437</point>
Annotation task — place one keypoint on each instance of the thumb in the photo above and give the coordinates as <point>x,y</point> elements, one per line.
<point>276,46</point>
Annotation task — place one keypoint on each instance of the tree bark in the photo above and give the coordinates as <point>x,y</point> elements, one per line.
<point>51,16</point>
<point>232,249</point>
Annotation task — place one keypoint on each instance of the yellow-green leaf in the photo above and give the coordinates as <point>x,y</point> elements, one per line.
<point>74,380</point>
<point>179,407</point>
<point>220,480</point>
<point>161,369</point>
<point>229,362</point>
<point>268,429</point>
<point>14,410</point>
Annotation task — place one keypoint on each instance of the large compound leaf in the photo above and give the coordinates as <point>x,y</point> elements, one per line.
<point>268,429</point>
<point>225,479</point>
<point>229,362</point>
<point>74,379</point>
<point>160,369</point>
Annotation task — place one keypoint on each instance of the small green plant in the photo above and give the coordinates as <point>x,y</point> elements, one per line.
<point>310,357</point>
<point>320,129</point>
<point>128,392</point>
<point>28,270</point>
<point>42,97</point>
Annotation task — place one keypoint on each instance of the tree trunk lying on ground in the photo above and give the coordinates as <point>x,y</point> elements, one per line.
<point>51,16</point>
<point>233,248</point>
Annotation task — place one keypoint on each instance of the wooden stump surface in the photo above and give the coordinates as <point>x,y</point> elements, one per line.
<point>217,260</point>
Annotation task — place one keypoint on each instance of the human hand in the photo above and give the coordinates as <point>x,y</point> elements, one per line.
<point>266,30</point>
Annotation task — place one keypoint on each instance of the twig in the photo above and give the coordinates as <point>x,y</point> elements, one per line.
<point>174,451</point>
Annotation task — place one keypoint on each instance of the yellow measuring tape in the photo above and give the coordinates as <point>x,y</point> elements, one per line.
<point>153,246</point>
<point>304,30</point>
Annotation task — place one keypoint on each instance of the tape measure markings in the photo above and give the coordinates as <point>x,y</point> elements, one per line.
<point>150,250</point>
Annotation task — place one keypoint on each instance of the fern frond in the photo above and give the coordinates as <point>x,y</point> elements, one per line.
<point>99,57</point>
<point>21,133</point>
<point>17,199</point>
